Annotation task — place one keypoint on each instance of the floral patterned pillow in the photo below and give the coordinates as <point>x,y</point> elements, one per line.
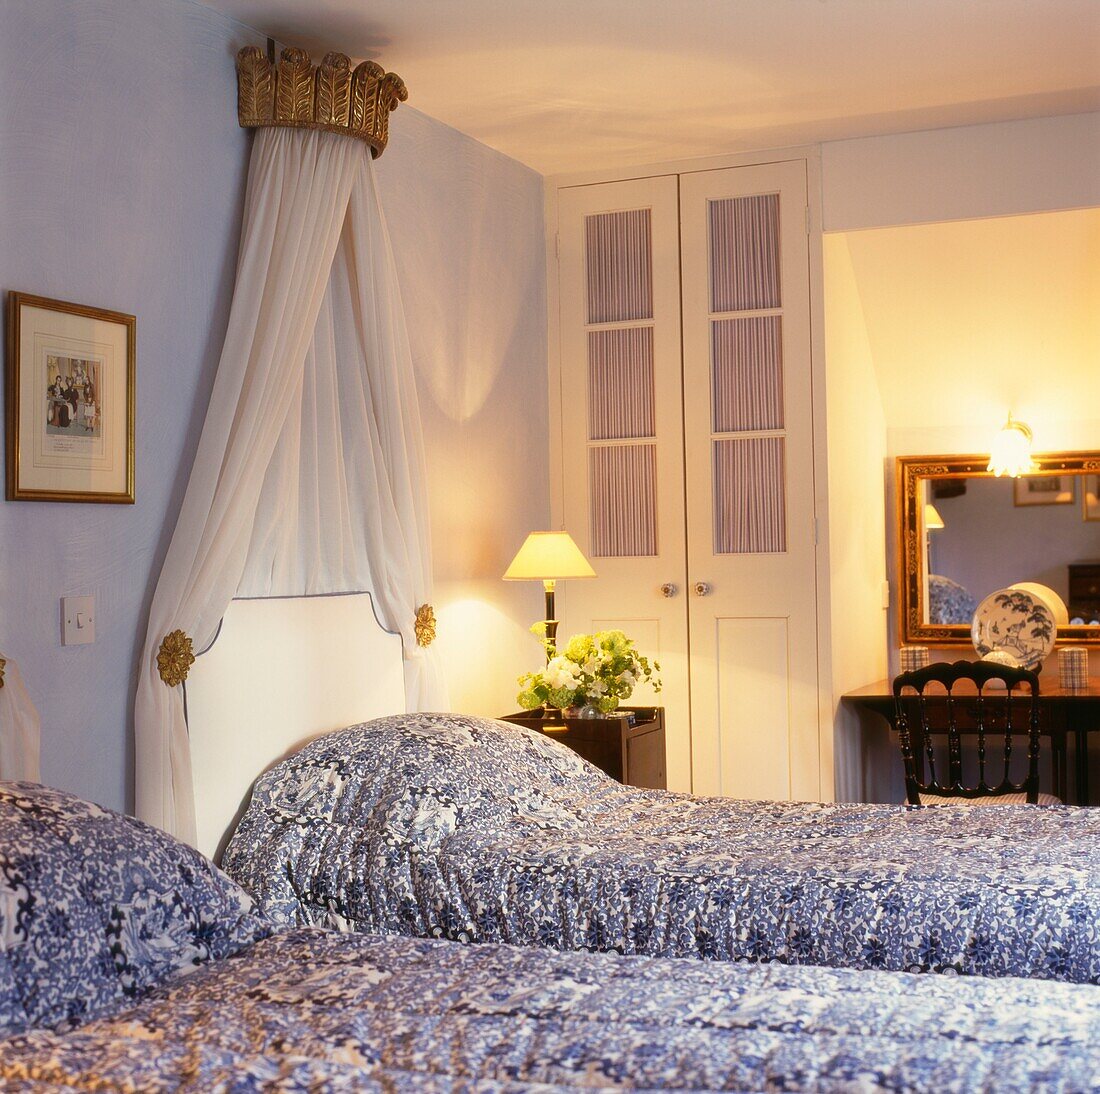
<point>421,777</point>
<point>97,907</point>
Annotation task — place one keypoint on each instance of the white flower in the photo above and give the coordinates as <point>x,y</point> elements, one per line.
<point>560,673</point>
<point>628,678</point>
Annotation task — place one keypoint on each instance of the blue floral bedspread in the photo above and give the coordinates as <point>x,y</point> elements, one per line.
<point>312,1010</point>
<point>469,829</point>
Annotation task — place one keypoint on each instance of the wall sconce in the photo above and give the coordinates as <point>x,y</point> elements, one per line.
<point>1011,451</point>
<point>547,557</point>
<point>932,518</point>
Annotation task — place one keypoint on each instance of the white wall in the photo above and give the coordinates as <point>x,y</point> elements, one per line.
<point>964,173</point>
<point>121,179</point>
<point>857,561</point>
<point>466,223</point>
<point>969,319</point>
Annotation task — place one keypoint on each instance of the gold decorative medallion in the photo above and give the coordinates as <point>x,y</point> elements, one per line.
<point>175,658</point>
<point>425,625</point>
<point>3,665</point>
<point>332,97</point>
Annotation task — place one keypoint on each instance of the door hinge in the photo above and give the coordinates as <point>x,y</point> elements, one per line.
<point>809,221</point>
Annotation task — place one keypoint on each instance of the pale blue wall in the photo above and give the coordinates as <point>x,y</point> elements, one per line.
<point>121,179</point>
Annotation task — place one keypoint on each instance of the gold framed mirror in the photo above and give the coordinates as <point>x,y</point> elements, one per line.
<point>960,529</point>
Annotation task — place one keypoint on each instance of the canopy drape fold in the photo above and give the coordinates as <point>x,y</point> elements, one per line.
<point>309,476</point>
<point>19,729</point>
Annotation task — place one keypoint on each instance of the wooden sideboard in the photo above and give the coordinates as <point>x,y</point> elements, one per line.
<point>629,744</point>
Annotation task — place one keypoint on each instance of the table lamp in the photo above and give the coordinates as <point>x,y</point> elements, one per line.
<point>548,557</point>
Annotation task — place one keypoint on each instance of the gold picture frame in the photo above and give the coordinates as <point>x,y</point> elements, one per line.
<point>70,373</point>
<point>1044,490</point>
<point>913,474</point>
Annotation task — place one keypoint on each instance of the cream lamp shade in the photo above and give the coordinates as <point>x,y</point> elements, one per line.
<point>547,556</point>
<point>932,518</point>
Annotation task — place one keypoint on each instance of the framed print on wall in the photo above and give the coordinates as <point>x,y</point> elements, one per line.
<point>70,402</point>
<point>1044,490</point>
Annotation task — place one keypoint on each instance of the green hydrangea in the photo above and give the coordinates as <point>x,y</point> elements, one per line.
<point>601,669</point>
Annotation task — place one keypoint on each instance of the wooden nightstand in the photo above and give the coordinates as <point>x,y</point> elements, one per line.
<point>633,754</point>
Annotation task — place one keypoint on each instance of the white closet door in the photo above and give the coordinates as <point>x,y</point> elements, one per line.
<point>622,454</point>
<point>750,482</point>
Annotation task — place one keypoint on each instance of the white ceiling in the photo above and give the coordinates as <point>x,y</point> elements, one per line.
<point>566,85</point>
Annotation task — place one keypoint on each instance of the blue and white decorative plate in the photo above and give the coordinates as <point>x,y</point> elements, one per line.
<point>1017,622</point>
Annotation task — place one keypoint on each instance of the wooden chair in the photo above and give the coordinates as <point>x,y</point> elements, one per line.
<point>994,717</point>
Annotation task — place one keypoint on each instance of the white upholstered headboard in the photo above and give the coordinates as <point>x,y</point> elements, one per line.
<point>280,672</point>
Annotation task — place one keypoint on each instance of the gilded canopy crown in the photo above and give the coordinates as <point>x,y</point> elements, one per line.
<point>332,96</point>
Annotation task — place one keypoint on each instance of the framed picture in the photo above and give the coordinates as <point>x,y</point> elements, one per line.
<point>1045,490</point>
<point>1090,490</point>
<point>70,402</point>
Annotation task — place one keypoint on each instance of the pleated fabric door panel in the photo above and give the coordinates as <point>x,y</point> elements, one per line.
<point>749,474</point>
<point>687,458</point>
<point>621,430</point>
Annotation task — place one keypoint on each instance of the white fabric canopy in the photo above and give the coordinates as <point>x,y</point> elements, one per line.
<point>19,729</point>
<point>309,476</point>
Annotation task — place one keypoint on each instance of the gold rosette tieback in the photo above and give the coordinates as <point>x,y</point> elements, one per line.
<point>3,665</point>
<point>175,658</point>
<point>425,625</point>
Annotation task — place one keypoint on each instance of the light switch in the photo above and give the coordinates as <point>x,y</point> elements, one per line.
<point>77,620</point>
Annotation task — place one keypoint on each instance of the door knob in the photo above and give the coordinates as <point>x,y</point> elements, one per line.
<point>668,589</point>
<point>702,588</point>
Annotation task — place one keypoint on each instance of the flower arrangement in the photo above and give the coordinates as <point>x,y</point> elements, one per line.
<point>599,670</point>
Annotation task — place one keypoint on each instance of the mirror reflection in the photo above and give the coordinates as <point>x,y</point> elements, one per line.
<point>963,534</point>
<point>997,532</point>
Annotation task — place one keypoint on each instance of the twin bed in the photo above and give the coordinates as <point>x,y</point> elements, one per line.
<point>469,829</point>
<point>127,960</point>
<point>130,963</point>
